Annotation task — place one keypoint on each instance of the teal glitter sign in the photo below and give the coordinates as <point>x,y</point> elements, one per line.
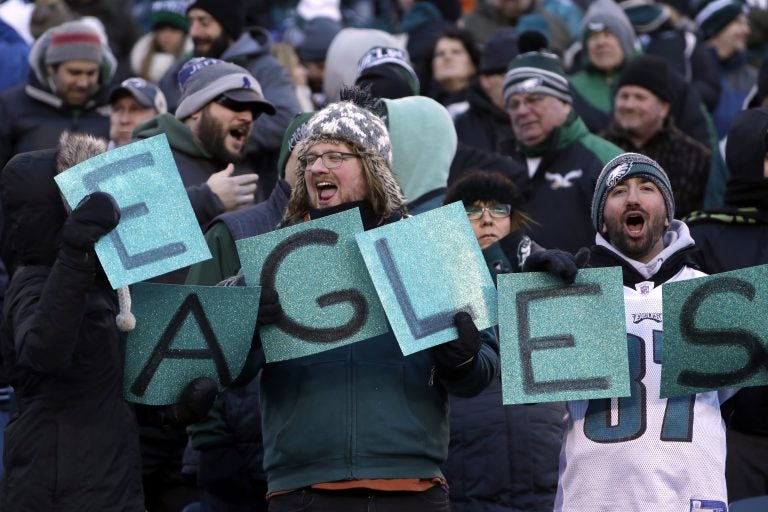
<point>562,342</point>
<point>185,332</point>
<point>715,332</point>
<point>158,231</point>
<point>327,298</point>
<point>427,268</point>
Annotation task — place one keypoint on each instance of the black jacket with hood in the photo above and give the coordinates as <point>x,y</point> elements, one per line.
<point>736,236</point>
<point>73,444</point>
<point>34,116</point>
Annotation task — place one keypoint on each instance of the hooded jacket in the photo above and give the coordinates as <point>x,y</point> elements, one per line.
<point>194,162</point>
<point>422,170</point>
<point>73,444</point>
<point>372,413</point>
<point>252,52</point>
<point>743,222</point>
<point>593,88</point>
<point>34,116</point>
<point>484,124</point>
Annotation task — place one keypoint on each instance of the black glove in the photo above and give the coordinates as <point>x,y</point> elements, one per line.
<point>194,403</point>
<point>456,358</point>
<point>562,263</point>
<point>270,311</point>
<point>95,216</point>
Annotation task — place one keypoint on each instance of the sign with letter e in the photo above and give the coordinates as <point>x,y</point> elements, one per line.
<point>426,269</point>
<point>158,230</point>
<point>185,332</point>
<point>715,332</point>
<point>327,298</point>
<point>562,342</point>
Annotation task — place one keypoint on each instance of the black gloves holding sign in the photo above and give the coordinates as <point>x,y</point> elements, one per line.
<point>95,216</point>
<point>456,359</point>
<point>555,261</point>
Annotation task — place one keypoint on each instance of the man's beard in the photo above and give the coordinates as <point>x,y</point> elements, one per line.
<point>216,48</point>
<point>212,135</point>
<point>635,250</point>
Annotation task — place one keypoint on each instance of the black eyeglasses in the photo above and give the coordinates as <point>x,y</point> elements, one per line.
<point>497,211</point>
<point>234,106</point>
<point>331,159</point>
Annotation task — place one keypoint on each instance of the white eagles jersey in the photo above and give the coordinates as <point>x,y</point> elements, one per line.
<point>644,453</point>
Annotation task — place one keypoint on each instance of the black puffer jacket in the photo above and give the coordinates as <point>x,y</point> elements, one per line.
<point>484,124</point>
<point>73,445</point>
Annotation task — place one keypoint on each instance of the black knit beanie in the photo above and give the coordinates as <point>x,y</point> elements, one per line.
<point>649,72</point>
<point>484,186</point>
<point>228,13</point>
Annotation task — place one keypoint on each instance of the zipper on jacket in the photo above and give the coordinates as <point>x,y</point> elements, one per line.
<point>432,373</point>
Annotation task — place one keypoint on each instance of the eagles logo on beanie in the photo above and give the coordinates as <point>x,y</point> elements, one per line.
<point>714,15</point>
<point>536,70</point>
<point>623,167</point>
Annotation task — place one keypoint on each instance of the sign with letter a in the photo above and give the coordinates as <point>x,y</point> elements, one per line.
<point>158,230</point>
<point>185,332</point>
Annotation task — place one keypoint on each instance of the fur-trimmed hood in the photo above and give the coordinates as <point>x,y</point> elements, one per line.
<point>33,208</point>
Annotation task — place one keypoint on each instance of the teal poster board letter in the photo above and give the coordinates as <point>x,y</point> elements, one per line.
<point>185,332</point>
<point>715,332</point>
<point>327,298</point>
<point>426,269</point>
<point>158,231</point>
<point>562,342</point>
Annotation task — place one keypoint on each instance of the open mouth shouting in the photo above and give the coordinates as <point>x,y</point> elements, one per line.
<point>326,192</point>
<point>634,222</point>
<point>239,134</point>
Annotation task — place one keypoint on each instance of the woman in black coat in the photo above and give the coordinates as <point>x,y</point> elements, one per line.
<point>73,444</point>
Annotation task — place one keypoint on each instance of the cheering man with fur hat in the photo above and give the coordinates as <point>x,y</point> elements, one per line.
<point>642,452</point>
<point>361,424</point>
<point>67,90</point>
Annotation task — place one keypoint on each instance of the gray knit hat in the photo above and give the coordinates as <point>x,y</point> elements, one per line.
<point>607,15</point>
<point>625,166</point>
<point>202,80</point>
<point>74,40</point>
<point>350,122</point>
<point>347,122</point>
<point>540,72</point>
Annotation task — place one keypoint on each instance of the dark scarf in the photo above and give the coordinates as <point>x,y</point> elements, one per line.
<point>370,218</point>
<point>601,257</point>
<point>748,192</point>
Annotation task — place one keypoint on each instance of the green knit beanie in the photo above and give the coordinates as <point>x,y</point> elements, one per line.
<point>623,167</point>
